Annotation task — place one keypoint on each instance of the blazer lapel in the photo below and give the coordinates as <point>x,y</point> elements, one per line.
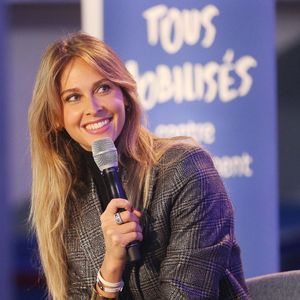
<point>87,219</point>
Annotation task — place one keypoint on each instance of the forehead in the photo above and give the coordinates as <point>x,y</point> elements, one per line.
<point>76,72</point>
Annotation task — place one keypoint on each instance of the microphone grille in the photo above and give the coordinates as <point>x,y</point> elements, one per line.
<point>105,153</point>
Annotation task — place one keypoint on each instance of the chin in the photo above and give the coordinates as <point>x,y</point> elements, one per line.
<point>86,147</point>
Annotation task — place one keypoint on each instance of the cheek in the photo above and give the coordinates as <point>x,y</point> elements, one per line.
<point>71,117</point>
<point>121,114</point>
<point>122,118</point>
<point>116,104</point>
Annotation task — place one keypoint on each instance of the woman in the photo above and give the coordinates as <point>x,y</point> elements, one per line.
<point>178,208</point>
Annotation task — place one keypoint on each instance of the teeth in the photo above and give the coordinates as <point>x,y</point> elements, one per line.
<point>98,125</point>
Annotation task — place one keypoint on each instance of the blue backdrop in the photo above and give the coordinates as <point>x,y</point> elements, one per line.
<point>5,220</point>
<point>206,69</point>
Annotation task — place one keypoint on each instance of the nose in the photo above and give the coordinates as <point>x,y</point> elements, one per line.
<point>93,106</point>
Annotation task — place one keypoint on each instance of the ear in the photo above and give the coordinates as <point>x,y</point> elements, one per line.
<point>125,99</point>
<point>57,125</point>
<point>126,104</point>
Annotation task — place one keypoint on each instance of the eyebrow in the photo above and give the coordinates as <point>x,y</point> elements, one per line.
<point>69,91</point>
<point>95,84</point>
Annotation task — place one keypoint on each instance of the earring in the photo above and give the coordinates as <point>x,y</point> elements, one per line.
<point>57,126</point>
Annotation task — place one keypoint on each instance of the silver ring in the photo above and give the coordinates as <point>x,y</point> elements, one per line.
<point>118,218</point>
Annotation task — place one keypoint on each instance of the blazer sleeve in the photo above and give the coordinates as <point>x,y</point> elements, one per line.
<point>202,259</point>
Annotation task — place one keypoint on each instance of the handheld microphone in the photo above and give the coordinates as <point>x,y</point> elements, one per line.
<point>106,158</point>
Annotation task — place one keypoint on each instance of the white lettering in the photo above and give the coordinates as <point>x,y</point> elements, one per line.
<point>225,78</point>
<point>152,16</point>
<point>174,28</point>
<point>234,166</point>
<point>208,13</point>
<point>227,81</point>
<point>242,67</point>
<point>203,133</point>
<point>172,31</point>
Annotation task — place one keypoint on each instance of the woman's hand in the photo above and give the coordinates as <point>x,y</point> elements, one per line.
<point>117,236</point>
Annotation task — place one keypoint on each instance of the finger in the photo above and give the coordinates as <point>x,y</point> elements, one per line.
<point>129,227</point>
<point>127,216</point>
<point>137,212</point>
<point>135,236</point>
<point>115,204</point>
<point>125,239</point>
<point>122,229</point>
<point>110,227</point>
<point>115,234</point>
<point>122,240</point>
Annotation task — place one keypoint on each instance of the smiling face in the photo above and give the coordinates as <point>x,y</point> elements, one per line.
<point>93,106</point>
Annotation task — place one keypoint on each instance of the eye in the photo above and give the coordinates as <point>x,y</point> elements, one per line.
<point>103,88</point>
<point>72,98</point>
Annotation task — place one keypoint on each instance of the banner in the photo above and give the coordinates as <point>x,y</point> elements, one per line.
<point>206,69</point>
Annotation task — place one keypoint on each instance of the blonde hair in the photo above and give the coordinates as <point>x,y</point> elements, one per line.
<point>54,169</point>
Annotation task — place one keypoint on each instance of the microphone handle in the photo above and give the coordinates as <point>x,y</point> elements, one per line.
<point>115,190</point>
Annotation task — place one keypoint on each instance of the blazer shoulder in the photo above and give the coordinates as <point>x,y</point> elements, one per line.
<point>186,152</point>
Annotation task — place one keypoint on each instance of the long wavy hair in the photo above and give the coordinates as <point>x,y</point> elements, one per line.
<point>58,173</point>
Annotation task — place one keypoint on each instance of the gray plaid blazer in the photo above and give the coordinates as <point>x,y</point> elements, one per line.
<point>189,250</point>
